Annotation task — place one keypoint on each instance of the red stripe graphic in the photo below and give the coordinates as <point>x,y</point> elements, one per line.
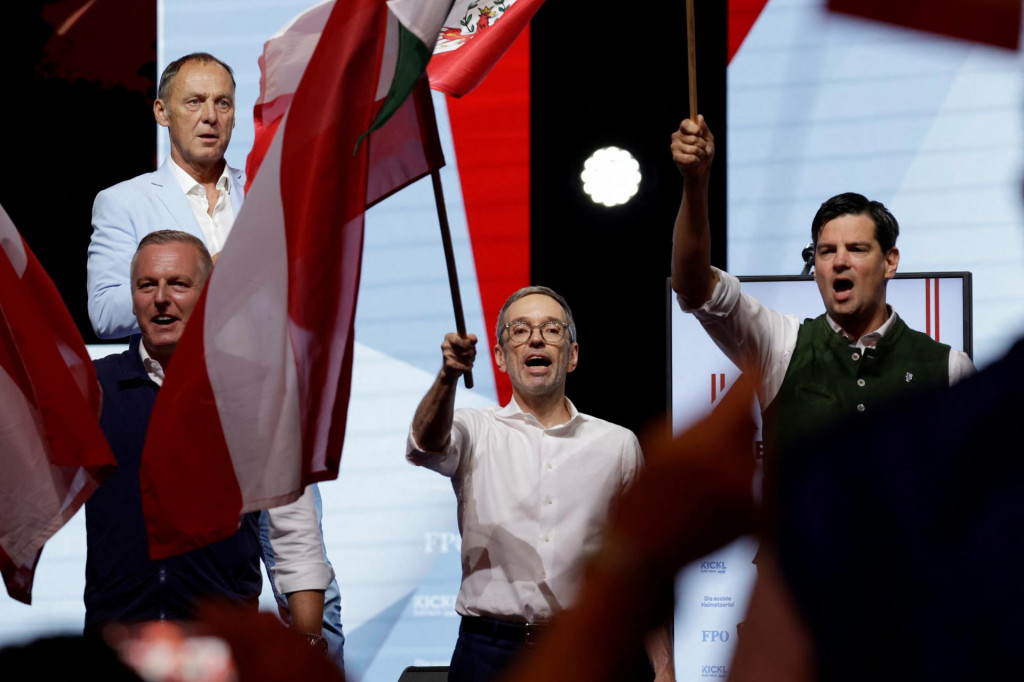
<point>718,387</point>
<point>927,307</point>
<point>499,226</point>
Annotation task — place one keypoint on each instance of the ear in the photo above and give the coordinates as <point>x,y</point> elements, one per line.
<point>892,261</point>
<point>574,356</point>
<point>160,113</point>
<point>499,358</point>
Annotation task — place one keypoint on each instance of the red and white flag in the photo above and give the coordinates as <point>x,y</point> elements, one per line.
<point>397,158</point>
<point>254,406</point>
<point>474,37</point>
<point>53,454</point>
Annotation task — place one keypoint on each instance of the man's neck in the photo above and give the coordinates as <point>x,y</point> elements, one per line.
<point>161,356</point>
<point>207,176</point>
<point>549,410</point>
<point>856,329</point>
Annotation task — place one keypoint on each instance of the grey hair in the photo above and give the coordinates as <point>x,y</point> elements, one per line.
<point>529,291</point>
<point>175,237</point>
<point>172,69</point>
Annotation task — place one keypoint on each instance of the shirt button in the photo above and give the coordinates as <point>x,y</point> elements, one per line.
<point>549,465</point>
<point>860,382</point>
<point>547,538</point>
<point>860,408</point>
<point>548,501</point>
<point>544,576</point>
<point>855,356</point>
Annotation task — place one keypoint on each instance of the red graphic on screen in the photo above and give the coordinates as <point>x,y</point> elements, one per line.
<point>717,386</point>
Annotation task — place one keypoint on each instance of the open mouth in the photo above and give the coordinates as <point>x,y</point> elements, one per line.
<point>538,362</point>
<point>841,285</point>
<point>164,320</point>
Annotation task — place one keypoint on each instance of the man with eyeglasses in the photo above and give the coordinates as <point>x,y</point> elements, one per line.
<point>533,481</point>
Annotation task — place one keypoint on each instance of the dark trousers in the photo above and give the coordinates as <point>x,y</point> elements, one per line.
<point>483,658</point>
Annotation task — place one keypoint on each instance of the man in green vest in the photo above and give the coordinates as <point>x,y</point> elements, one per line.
<point>847,361</point>
<point>844,363</point>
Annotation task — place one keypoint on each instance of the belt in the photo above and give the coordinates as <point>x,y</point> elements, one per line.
<point>512,631</point>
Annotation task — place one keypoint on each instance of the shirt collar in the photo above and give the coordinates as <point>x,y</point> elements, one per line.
<point>153,367</point>
<point>871,339</point>
<point>188,183</point>
<point>513,411</point>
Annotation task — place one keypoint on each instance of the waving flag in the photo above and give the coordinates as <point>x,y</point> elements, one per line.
<point>475,35</point>
<point>52,452</point>
<point>399,154</point>
<point>254,405</point>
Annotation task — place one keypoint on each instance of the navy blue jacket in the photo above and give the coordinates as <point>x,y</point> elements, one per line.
<point>122,584</point>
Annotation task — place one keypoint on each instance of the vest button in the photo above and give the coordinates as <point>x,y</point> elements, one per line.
<point>860,408</point>
<point>855,356</point>
<point>860,382</point>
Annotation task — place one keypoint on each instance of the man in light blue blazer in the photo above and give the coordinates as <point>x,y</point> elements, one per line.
<point>121,216</point>
<point>193,191</point>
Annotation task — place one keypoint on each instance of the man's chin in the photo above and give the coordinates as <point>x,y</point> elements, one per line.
<point>537,387</point>
<point>161,344</point>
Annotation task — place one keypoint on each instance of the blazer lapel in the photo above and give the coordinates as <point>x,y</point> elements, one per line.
<point>168,192</point>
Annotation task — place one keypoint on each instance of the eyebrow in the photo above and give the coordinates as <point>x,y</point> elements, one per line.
<point>520,320</point>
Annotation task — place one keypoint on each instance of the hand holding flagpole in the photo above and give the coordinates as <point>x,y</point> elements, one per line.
<point>449,259</point>
<point>691,59</point>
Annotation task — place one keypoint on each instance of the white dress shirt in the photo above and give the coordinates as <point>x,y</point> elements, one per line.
<point>532,504</point>
<point>216,227</point>
<point>762,340</point>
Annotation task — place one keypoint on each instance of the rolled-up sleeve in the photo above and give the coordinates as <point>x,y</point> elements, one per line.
<point>445,462</point>
<point>295,537</point>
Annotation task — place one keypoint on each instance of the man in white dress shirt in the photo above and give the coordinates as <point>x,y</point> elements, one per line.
<point>533,480</point>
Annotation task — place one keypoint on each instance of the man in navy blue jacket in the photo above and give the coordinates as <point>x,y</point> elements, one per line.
<point>168,272</point>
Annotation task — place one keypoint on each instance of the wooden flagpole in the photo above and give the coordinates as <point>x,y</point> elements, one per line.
<point>449,259</point>
<point>691,59</point>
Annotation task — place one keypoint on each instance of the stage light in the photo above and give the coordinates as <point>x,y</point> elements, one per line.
<point>611,176</point>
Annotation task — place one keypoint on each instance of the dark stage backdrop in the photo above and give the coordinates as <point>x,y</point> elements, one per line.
<point>603,78</point>
<point>76,118</point>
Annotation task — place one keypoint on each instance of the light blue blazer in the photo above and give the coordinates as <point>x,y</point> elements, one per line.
<point>121,216</point>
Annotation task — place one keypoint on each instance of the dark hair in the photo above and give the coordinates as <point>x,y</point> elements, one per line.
<point>172,69</point>
<point>851,203</point>
<point>529,291</point>
<point>175,237</point>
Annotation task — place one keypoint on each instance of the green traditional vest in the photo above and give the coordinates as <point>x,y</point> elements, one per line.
<point>828,380</point>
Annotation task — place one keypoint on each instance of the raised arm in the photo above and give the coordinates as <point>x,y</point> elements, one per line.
<point>693,149</point>
<point>432,423</point>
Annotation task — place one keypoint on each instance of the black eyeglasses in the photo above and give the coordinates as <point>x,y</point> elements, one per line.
<point>553,332</point>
